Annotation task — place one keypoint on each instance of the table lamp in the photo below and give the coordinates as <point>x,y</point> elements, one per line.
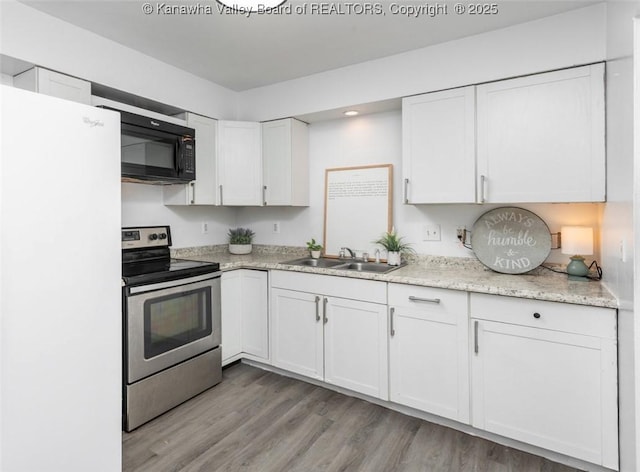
<point>577,241</point>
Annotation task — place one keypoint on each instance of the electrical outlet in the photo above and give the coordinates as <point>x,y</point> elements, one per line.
<point>431,233</point>
<point>461,233</point>
<point>276,227</point>
<point>205,227</point>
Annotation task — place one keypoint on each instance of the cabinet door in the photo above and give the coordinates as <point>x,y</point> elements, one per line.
<point>55,84</point>
<point>541,138</point>
<point>231,304</point>
<point>255,315</point>
<point>204,190</point>
<point>552,389</point>
<point>356,346</point>
<point>239,163</point>
<point>438,147</point>
<point>296,332</point>
<point>285,162</point>
<point>428,346</point>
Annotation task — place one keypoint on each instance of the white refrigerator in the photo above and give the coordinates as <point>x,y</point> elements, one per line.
<point>60,292</point>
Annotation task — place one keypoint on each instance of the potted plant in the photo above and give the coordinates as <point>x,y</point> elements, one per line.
<point>314,248</point>
<point>395,247</point>
<point>240,240</point>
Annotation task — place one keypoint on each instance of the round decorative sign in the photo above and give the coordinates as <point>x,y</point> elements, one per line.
<point>511,240</point>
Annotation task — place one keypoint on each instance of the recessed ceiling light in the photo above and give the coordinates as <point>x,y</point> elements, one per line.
<point>351,113</point>
<point>251,5</point>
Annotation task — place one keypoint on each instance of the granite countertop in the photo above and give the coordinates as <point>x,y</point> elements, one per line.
<point>430,271</point>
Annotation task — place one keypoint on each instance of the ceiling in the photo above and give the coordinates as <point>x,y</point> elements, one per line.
<point>240,52</point>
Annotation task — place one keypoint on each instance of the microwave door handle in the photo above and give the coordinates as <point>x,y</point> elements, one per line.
<point>179,163</point>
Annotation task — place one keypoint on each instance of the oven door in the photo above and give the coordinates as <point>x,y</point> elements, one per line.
<point>170,322</point>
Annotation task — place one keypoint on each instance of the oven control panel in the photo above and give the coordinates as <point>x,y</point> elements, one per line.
<point>146,236</point>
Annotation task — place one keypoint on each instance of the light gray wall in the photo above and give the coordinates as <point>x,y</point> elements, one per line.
<point>142,205</point>
<point>37,38</point>
<point>575,37</point>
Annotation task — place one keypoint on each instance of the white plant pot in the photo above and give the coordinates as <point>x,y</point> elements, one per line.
<point>240,248</point>
<point>315,254</point>
<point>393,258</point>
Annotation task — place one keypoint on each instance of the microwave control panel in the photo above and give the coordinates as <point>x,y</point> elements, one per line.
<point>189,155</point>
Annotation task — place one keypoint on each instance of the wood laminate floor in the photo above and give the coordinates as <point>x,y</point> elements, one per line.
<point>261,421</point>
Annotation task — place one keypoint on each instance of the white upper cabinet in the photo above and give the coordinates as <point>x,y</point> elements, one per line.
<point>285,161</point>
<point>52,83</point>
<point>203,190</point>
<point>438,147</point>
<point>239,163</point>
<point>540,138</point>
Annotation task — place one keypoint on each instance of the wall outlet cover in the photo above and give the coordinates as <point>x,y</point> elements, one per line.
<point>431,233</point>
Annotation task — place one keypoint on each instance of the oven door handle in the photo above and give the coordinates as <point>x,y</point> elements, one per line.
<point>172,283</point>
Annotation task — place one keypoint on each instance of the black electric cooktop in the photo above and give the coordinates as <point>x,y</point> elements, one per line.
<point>146,258</point>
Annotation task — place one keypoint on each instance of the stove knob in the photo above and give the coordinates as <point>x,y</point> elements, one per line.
<point>163,235</point>
<point>153,236</point>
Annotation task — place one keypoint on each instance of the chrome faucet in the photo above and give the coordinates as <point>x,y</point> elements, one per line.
<point>343,253</point>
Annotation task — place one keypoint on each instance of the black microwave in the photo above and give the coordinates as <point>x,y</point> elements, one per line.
<point>156,151</point>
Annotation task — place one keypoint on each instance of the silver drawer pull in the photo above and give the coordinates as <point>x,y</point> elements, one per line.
<point>392,312</point>
<point>475,337</point>
<point>425,300</point>
<point>324,309</point>
<point>317,308</point>
<point>406,190</point>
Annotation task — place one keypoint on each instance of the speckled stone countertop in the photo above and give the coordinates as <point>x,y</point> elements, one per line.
<point>430,271</point>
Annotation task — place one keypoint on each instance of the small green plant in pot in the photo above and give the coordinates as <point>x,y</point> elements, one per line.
<point>314,248</point>
<point>395,247</point>
<point>240,240</point>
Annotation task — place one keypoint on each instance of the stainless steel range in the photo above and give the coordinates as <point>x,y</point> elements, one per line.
<point>171,312</point>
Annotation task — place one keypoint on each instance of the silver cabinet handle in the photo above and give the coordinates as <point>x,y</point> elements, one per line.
<point>264,195</point>
<point>425,300</point>
<point>192,185</point>
<point>406,190</point>
<point>317,308</point>
<point>392,327</point>
<point>324,309</point>
<point>221,196</point>
<point>483,181</point>
<point>475,337</point>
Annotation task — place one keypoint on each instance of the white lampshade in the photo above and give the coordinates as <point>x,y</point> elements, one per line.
<point>577,240</point>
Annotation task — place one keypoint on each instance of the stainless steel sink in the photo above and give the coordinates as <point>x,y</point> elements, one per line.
<point>366,267</point>
<point>309,262</point>
<point>340,264</point>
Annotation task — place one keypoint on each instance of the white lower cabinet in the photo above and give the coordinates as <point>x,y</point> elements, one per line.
<point>297,332</point>
<point>245,316</point>
<point>541,373</point>
<point>428,350</point>
<point>545,373</point>
<point>322,328</point>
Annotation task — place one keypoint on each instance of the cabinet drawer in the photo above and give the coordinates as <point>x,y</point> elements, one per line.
<point>578,319</point>
<point>344,287</point>
<point>434,300</point>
